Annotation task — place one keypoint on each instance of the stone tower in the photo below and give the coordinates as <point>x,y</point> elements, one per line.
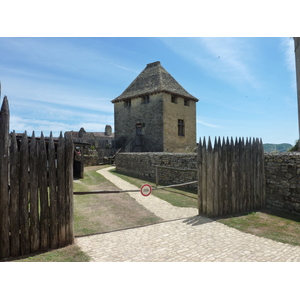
<point>155,114</point>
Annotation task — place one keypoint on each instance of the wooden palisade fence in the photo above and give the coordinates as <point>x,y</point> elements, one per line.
<point>231,177</point>
<point>36,191</point>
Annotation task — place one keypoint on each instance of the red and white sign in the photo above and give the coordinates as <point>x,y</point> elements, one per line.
<point>146,189</point>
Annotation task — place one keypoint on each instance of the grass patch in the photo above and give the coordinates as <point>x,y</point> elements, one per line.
<point>181,197</point>
<point>70,253</point>
<point>269,224</point>
<point>98,213</point>
<point>91,177</point>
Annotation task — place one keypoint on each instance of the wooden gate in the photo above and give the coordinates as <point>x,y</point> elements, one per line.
<point>36,191</point>
<point>231,177</point>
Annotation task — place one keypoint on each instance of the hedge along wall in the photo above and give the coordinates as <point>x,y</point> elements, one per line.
<point>142,165</point>
<point>282,173</point>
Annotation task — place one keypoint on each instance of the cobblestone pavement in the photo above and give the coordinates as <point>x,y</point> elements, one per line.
<point>184,236</point>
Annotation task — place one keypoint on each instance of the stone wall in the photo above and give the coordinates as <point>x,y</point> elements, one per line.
<point>282,173</point>
<point>173,111</point>
<point>91,160</point>
<point>283,181</point>
<point>149,115</point>
<point>142,165</point>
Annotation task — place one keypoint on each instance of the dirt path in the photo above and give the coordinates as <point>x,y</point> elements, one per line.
<point>98,213</point>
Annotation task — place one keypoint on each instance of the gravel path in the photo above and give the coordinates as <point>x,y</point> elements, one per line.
<point>159,207</point>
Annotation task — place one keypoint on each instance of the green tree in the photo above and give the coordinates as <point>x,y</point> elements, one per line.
<point>296,147</point>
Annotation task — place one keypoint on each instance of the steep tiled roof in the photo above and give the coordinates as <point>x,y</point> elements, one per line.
<point>153,79</point>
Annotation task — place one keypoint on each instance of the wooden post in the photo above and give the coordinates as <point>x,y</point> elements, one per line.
<point>14,197</point>
<point>229,170</point>
<point>255,174</point>
<point>233,176</point>
<point>210,182</point>
<point>216,178</point>
<point>24,206</point>
<point>61,188</point>
<point>246,163</point>
<point>69,148</point>
<point>237,174</point>
<point>225,145</point>
<point>221,169</point>
<point>4,193</point>
<point>52,194</point>
<point>43,187</point>
<point>263,178</point>
<point>251,175</point>
<point>204,178</point>
<point>241,174</point>
<point>34,229</point>
<point>257,181</point>
<point>239,193</point>
<point>82,163</point>
<point>199,175</point>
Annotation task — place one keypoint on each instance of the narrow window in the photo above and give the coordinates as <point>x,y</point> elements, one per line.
<point>139,128</point>
<point>173,99</point>
<point>146,99</point>
<point>180,127</point>
<point>186,102</point>
<point>127,103</point>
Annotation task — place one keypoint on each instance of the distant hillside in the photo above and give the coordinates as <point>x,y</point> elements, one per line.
<point>277,147</point>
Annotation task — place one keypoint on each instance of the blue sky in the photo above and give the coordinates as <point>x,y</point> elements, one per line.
<point>246,86</point>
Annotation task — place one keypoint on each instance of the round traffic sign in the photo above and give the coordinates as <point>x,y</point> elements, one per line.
<point>146,189</point>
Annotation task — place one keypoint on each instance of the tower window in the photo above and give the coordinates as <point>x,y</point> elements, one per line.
<point>186,102</point>
<point>173,99</point>
<point>127,103</point>
<point>146,99</point>
<point>180,127</point>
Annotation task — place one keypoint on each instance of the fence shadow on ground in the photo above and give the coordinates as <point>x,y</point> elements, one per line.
<point>268,211</point>
<point>197,220</point>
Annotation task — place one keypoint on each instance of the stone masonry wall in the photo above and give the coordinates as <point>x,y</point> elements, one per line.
<point>282,173</point>
<point>283,181</point>
<point>173,111</point>
<point>142,165</point>
<point>150,115</point>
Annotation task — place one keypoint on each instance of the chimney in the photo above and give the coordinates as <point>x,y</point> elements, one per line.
<point>108,130</point>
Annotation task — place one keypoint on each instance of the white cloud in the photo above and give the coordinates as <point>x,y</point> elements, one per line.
<point>31,93</point>
<point>207,124</point>
<point>20,125</point>
<point>287,45</point>
<point>227,59</point>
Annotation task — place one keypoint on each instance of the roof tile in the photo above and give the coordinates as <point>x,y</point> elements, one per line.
<point>153,79</point>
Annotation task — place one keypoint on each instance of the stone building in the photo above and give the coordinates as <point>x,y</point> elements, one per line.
<point>155,114</point>
<point>97,139</point>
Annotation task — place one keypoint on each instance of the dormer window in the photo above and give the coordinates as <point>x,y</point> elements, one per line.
<point>127,103</point>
